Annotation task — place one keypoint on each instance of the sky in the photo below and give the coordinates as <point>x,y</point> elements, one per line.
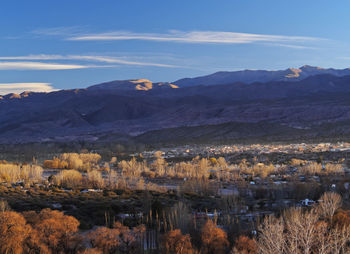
<point>50,45</point>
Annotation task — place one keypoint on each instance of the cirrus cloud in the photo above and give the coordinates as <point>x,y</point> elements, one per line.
<point>93,58</point>
<point>215,37</point>
<point>43,66</point>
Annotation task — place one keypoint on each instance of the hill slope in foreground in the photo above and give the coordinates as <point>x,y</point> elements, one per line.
<point>315,103</point>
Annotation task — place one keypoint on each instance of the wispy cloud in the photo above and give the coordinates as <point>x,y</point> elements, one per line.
<point>58,31</point>
<point>104,59</point>
<point>195,37</point>
<point>43,66</point>
<point>6,88</point>
<point>291,46</point>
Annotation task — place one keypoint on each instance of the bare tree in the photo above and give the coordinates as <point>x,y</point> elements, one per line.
<point>304,232</point>
<point>300,230</point>
<point>329,203</point>
<point>339,239</point>
<point>271,239</point>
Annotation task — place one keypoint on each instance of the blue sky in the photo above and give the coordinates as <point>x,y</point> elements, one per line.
<point>46,45</point>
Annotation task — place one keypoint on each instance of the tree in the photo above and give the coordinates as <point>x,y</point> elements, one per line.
<point>159,164</point>
<point>341,218</point>
<point>271,238</point>
<point>117,239</point>
<point>301,230</point>
<point>55,229</point>
<point>222,163</point>
<point>174,242</point>
<point>214,239</point>
<point>91,251</point>
<point>245,245</point>
<point>4,206</point>
<point>298,231</point>
<point>69,178</point>
<point>95,179</point>
<point>329,203</point>
<point>105,239</point>
<point>13,232</point>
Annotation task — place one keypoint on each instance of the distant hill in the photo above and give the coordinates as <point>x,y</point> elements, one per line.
<point>133,84</point>
<point>251,76</point>
<point>317,106</point>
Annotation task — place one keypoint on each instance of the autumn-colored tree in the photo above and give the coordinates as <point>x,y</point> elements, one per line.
<point>50,164</point>
<point>69,178</point>
<point>105,239</point>
<point>55,229</point>
<point>214,239</point>
<point>13,232</point>
<point>213,161</point>
<point>222,163</point>
<point>119,239</point>
<point>129,238</point>
<point>341,218</point>
<point>174,242</point>
<point>34,244</point>
<point>95,179</point>
<point>245,245</point>
<point>91,251</point>
<point>4,206</point>
<point>159,164</point>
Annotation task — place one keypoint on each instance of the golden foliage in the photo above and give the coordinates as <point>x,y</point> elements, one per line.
<point>13,232</point>
<point>214,239</point>
<point>245,245</point>
<point>12,173</point>
<point>82,161</point>
<point>69,178</point>
<point>54,229</point>
<point>95,179</point>
<point>174,242</point>
<point>118,238</point>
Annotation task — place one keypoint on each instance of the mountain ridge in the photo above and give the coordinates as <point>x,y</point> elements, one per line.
<point>251,76</point>
<point>226,111</point>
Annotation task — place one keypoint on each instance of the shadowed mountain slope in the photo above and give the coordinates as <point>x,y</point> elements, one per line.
<point>316,105</point>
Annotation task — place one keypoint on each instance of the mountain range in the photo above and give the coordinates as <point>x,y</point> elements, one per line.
<point>304,103</point>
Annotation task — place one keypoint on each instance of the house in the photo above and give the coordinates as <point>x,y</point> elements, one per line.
<point>307,202</point>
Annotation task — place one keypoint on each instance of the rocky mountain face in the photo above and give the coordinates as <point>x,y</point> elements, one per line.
<point>315,106</point>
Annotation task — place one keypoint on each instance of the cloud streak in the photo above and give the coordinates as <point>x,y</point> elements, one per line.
<point>43,66</point>
<point>195,37</point>
<point>104,59</point>
<point>7,88</point>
